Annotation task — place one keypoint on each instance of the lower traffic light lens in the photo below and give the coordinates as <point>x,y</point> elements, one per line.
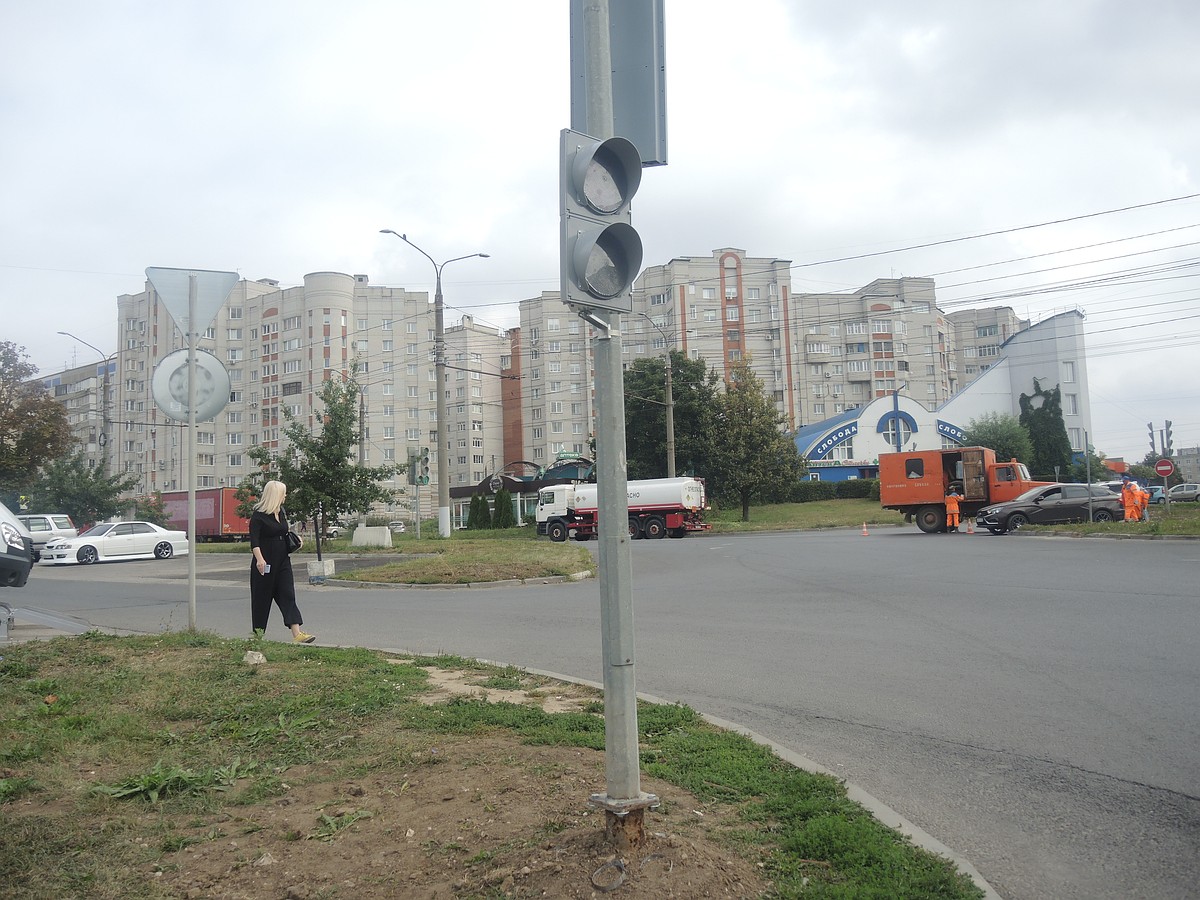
<point>612,261</point>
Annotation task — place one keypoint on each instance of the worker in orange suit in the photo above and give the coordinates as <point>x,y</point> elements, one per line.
<point>952,499</point>
<point>1130,498</point>
<point>1143,502</point>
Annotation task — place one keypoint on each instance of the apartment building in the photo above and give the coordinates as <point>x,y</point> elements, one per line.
<point>549,375</point>
<point>818,354</point>
<point>278,346</point>
<point>87,392</point>
<point>978,336</point>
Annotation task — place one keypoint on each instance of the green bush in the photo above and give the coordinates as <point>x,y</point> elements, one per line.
<point>811,491</point>
<point>858,489</point>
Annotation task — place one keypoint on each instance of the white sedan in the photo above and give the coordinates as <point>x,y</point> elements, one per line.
<point>116,540</point>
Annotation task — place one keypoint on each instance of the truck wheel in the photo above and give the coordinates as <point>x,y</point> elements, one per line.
<point>931,519</point>
<point>635,529</point>
<point>655,527</point>
<point>557,531</point>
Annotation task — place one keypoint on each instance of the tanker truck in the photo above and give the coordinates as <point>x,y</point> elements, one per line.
<point>658,507</point>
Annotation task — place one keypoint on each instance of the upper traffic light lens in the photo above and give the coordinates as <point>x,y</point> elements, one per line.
<point>605,185</point>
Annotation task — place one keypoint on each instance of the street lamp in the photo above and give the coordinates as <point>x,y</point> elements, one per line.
<point>670,401</point>
<point>439,359</point>
<point>104,414</point>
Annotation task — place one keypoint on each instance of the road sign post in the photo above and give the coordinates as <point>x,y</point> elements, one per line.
<point>1165,468</point>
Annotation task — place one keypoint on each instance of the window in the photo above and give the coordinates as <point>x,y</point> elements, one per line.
<point>1068,371</point>
<point>732,314</point>
<point>235,312</point>
<point>986,330</point>
<point>1071,404</point>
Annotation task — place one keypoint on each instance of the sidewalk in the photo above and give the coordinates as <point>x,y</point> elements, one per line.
<point>21,625</point>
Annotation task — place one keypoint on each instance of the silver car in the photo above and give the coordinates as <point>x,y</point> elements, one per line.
<point>1184,492</point>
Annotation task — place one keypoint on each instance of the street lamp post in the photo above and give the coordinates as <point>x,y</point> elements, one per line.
<point>670,403</point>
<point>439,359</point>
<point>104,413</point>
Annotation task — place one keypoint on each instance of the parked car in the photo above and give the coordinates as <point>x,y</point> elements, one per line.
<point>117,540</point>
<point>1156,494</point>
<point>45,527</point>
<point>1184,492</point>
<point>16,550</point>
<point>1053,504</point>
<point>397,527</point>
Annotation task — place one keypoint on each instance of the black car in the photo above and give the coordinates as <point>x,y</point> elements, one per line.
<point>1052,504</point>
<point>16,550</point>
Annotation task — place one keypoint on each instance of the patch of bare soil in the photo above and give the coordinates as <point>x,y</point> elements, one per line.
<point>479,817</point>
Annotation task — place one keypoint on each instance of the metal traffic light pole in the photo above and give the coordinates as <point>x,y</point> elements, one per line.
<point>623,802</point>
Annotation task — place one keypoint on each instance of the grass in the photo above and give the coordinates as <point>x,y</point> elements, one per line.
<point>135,748</point>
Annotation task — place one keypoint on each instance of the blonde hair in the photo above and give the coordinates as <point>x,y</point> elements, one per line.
<point>272,497</point>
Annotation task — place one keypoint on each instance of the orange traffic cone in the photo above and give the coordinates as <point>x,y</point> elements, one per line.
<point>864,531</point>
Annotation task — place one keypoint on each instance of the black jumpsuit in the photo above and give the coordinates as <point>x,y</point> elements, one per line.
<point>268,534</point>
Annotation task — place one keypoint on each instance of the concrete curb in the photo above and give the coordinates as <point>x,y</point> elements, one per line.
<point>511,582</point>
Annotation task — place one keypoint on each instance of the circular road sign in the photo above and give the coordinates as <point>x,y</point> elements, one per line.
<point>1164,467</point>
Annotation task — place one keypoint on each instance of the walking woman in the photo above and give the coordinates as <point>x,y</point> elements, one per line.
<point>271,571</point>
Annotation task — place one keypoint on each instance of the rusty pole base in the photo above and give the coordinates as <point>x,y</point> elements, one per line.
<point>624,820</point>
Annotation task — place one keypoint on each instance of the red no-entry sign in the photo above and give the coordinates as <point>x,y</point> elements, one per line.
<point>1164,467</point>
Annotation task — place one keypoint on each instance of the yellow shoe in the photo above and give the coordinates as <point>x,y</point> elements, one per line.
<point>303,638</point>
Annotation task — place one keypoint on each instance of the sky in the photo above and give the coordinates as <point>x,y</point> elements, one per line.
<point>1038,155</point>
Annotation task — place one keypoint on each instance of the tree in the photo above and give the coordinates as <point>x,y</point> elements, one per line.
<point>1003,433</point>
<point>1090,462</point>
<point>33,425</point>
<point>86,495</point>
<point>503,516</point>
<point>695,390</point>
<point>479,515</point>
<point>150,508</point>
<point>320,471</point>
<point>751,456</point>
<point>1047,432</point>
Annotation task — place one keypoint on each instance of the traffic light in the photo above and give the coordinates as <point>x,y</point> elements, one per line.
<point>1153,446</point>
<point>1167,439</point>
<point>423,473</point>
<point>412,467</point>
<point>600,252</point>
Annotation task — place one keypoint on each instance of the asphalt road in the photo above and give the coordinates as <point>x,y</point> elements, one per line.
<point>1030,702</point>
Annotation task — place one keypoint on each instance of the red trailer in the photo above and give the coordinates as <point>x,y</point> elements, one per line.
<point>216,514</point>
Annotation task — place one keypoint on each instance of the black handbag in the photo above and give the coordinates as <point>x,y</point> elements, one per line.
<point>293,541</point>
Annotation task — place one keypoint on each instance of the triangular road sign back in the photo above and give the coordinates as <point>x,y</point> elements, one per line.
<point>212,290</point>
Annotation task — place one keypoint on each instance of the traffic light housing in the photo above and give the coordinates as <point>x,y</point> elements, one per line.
<point>1153,446</point>
<point>423,472</point>
<point>412,467</point>
<point>600,251</point>
<point>1167,448</point>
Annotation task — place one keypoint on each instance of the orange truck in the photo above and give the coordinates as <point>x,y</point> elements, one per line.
<point>917,483</point>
